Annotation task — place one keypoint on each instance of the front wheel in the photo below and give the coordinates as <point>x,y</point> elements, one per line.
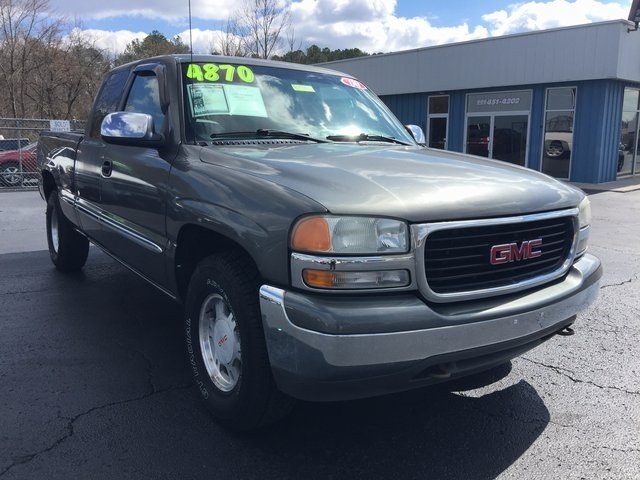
<point>226,346</point>
<point>68,248</point>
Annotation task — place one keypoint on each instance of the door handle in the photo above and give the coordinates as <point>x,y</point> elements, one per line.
<point>107,168</point>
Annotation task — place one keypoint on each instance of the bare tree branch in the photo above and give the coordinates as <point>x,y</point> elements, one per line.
<point>230,41</point>
<point>262,23</point>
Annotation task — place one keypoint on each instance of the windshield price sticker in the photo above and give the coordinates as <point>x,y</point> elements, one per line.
<point>213,72</point>
<point>352,82</point>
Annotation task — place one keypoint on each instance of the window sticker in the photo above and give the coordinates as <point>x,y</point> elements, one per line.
<point>352,82</point>
<point>245,100</point>
<point>214,99</point>
<point>207,99</point>
<point>213,72</point>
<point>303,88</point>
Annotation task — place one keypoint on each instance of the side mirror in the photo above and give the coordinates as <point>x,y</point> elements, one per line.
<point>129,128</point>
<point>417,133</point>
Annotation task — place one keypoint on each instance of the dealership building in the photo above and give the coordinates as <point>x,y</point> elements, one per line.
<point>564,101</point>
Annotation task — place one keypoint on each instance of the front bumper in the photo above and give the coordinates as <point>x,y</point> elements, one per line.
<point>334,348</point>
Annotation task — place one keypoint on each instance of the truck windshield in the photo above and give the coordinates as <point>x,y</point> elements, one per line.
<point>241,101</point>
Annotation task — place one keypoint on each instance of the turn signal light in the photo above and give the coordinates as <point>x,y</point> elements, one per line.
<point>312,235</point>
<point>355,280</point>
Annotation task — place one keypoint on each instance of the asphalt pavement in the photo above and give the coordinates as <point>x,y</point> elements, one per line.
<point>94,384</point>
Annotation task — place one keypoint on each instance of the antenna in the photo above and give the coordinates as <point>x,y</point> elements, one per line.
<point>190,34</point>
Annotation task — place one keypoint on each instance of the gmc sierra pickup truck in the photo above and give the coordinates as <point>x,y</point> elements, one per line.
<point>320,250</point>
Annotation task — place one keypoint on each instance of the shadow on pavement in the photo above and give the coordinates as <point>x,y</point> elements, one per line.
<point>99,356</point>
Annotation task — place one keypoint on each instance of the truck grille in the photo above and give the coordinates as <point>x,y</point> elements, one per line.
<point>458,260</point>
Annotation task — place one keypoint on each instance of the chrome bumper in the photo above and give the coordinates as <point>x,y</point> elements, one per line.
<point>312,364</point>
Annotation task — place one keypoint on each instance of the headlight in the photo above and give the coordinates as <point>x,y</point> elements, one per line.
<point>584,218</point>
<point>350,235</point>
<point>585,212</point>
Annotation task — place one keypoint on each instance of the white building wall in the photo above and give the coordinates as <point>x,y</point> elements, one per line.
<point>587,52</point>
<point>629,56</point>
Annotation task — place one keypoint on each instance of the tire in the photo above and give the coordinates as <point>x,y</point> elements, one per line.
<point>555,149</point>
<point>226,346</point>
<point>68,248</point>
<point>11,175</point>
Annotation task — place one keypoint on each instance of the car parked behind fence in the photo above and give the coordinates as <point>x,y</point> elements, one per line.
<point>18,167</point>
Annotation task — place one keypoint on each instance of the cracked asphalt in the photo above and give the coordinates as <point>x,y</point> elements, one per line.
<point>94,384</point>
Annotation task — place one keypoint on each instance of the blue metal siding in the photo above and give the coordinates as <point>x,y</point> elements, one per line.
<point>597,131</point>
<point>596,126</point>
<point>412,108</point>
<point>409,108</point>
<point>457,108</point>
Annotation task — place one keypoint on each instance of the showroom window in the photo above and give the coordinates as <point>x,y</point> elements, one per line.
<point>628,161</point>
<point>560,109</point>
<point>438,121</point>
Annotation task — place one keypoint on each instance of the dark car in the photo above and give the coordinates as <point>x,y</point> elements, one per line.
<point>18,167</point>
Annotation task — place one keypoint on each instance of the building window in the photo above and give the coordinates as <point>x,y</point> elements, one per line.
<point>628,158</point>
<point>560,108</point>
<point>438,121</point>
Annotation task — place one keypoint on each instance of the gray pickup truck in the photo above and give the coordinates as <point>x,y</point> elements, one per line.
<point>320,251</point>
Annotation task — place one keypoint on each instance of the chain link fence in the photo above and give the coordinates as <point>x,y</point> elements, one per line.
<point>18,143</point>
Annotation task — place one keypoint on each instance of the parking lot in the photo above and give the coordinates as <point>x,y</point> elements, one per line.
<point>94,383</point>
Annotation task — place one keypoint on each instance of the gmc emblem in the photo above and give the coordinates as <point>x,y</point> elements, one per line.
<point>510,252</point>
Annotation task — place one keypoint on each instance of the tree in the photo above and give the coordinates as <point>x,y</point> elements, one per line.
<point>315,54</point>
<point>153,45</point>
<point>261,25</point>
<point>70,74</point>
<point>230,42</point>
<point>24,27</point>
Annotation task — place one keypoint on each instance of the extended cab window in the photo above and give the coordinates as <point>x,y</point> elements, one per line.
<point>108,99</point>
<point>144,97</point>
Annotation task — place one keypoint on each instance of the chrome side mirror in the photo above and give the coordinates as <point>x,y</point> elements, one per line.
<point>417,133</point>
<point>129,128</point>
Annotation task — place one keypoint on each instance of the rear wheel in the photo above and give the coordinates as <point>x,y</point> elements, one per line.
<point>10,174</point>
<point>68,248</point>
<point>226,345</point>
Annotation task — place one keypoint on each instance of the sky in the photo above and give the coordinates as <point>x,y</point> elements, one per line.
<point>371,25</point>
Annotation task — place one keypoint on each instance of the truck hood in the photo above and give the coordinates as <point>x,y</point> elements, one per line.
<point>413,183</point>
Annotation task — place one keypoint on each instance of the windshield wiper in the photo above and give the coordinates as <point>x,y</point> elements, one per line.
<point>365,137</point>
<point>268,133</point>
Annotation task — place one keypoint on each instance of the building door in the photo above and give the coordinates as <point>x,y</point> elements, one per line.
<point>479,136</point>
<point>437,121</point>
<point>503,137</point>
<point>510,138</point>
<point>498,125</point>
<point>438,132</point>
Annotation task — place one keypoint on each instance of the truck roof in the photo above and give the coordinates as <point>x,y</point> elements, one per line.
<point>201,58</point>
